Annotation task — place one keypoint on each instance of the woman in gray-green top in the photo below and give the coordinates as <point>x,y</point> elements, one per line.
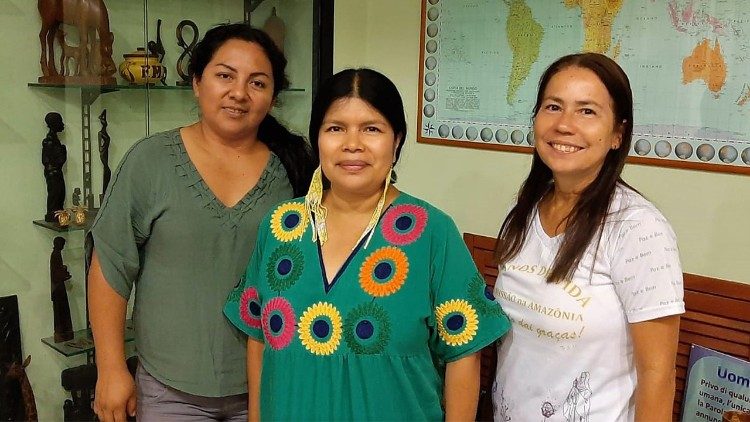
<point>179,221</point>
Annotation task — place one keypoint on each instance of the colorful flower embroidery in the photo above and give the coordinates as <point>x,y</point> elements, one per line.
<point>457,322</point>
<point>278,323</point>
<point>250,307</point>
<point>366,329</point>
<point>288,221</point>
<point>320,328</point>
<point>384,271</point>
<point>481,297</point>
<point>284,267</point>
<point>403,224</point>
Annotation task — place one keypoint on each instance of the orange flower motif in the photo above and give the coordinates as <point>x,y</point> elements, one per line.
<point>384,271</point>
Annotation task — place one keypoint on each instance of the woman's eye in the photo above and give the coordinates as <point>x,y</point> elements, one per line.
<point>587,111</point>
<point>224,76</point>
<point>333,129</point>
<point>552,107</point>
<point>258,84</point>
<point>372,129</point>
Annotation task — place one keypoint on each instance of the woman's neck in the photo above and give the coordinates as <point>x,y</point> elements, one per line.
<point>218,145</point>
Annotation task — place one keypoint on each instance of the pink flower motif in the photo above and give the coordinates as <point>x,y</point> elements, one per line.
<point>403,224</point>
<point>250,307</point>
<point>278,323</point>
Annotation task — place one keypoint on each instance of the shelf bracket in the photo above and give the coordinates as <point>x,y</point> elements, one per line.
<point>88,96</point>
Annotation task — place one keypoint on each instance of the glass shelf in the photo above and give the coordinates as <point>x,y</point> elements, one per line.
<point>90,216</point>
<point>112,88</point>
<point>83,341</point>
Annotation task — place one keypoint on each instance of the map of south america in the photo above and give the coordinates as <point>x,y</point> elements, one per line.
<point>525,37</point>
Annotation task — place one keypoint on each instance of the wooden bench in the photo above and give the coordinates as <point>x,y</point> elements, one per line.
<point>717,316</point>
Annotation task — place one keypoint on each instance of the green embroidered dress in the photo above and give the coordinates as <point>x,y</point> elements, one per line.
<point>372,344</point>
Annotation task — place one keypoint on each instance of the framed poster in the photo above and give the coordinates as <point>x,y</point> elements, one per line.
<point>480,63</point>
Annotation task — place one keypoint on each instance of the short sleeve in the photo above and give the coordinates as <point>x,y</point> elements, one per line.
<point>123,223</point>
<point>466,316</point>
<point>646,268</point>
<point>243,306</point>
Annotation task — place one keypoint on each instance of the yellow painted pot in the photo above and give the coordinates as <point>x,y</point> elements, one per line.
<point>140,69</point>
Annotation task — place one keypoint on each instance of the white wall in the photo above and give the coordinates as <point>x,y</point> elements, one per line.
<point>476,186</point>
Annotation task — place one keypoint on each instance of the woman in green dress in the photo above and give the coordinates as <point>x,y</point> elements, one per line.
<point>361,301</point>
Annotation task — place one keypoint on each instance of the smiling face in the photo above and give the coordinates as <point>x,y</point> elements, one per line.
<point>574,129</point>
<point>357,146</point>
<point>235,91</point>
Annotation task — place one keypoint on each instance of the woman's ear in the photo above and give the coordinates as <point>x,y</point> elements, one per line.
<point>399,139</point>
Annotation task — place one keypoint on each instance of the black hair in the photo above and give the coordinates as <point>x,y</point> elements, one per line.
<point>590,212</point>
<point>368,85</point>
<point>293,151</point>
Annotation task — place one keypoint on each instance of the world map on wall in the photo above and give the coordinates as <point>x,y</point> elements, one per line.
<point>688,62</point>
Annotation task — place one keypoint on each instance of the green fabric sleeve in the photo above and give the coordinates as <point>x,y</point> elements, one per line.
<point>122,225</point>
<point>466,317</point>
<point>244,305</point>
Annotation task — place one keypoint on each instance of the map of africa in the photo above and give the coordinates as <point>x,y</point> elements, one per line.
<point>688,62</point>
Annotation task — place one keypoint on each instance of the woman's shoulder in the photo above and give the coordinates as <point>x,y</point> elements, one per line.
<point>434,215</point>
<point>153,147</point>
<point>629,204</point>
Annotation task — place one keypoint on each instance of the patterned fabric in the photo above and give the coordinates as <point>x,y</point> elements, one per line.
<point>372,343</point>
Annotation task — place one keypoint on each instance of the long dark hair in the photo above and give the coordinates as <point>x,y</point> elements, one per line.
<point>588,215</point>
<point>292,150</point>
<point>368,85</point>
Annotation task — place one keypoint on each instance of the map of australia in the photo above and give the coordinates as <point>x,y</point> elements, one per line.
<point>706,63</point>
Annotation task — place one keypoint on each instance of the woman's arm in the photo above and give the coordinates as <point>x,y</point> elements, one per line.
<point>462,388</point>
<point>115,388</point>
<point>655,354</point>
<point>254,365</point>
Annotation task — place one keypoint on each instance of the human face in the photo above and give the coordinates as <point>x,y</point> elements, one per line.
<point>574,129</point>
<point>235,92</point>
<point>357,147</point>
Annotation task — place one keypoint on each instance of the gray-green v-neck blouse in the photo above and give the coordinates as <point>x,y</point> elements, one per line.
<point>161,229</point>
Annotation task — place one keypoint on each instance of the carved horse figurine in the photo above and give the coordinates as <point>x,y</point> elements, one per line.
<point>68,52</point>
<point>87,16</point>
<point>17,371</point>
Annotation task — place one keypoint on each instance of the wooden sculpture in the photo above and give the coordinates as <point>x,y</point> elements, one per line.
<point>88,17</point>
<point>59,274</point>
<point>17,371</point>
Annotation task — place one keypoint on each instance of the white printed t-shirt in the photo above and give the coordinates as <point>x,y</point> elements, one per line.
<point>569,355</point>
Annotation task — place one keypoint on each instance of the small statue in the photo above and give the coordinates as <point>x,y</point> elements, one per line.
<point>17,371</point>
<point>89,17</point>
<point>275,29</point>
<point>104,153</point>
<point>76,197</point>
<point>156,48</point>
<point>54,155</point>
<point>58,276</point>
<point>187,54</point>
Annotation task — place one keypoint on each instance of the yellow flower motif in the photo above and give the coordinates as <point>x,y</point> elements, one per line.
<point>320,329</point>
<point>457,322</point>
<point>384,271</point>
<point>288,221</point>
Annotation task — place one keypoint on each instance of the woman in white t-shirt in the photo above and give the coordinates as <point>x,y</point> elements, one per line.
<point>589,269</point>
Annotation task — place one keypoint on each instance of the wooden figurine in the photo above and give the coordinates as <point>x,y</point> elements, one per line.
<point>183,61</point>
<point>58,276</point>
<point>17,371</point>
<point>104,141</point>
<point>86,16</point>
<point>54,155</point>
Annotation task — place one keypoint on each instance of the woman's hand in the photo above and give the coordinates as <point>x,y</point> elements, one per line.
<point>655,354</point>
<point>115,397</point>
<point>115,388</point>
<point>461,389</point>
